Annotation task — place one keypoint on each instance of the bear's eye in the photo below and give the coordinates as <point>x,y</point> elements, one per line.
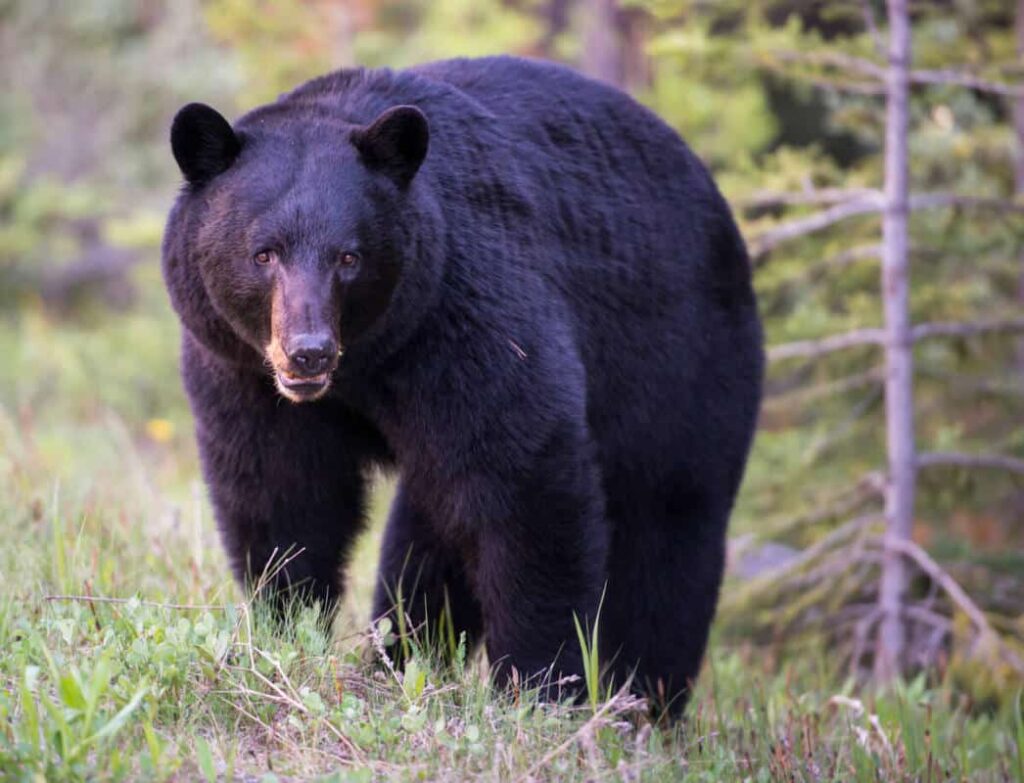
<point>264,257</point>
<point>349,260</point>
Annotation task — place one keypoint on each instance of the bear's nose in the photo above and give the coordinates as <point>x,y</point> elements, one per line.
<point>311,354</point>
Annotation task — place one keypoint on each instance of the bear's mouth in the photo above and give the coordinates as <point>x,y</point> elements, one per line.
<point>302,388</point>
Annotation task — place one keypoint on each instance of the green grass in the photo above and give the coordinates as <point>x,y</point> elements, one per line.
<point>182,679</point>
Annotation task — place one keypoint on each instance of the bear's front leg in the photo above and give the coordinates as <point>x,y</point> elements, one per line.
<point>425,576</point>
<point>285,479</point>
<point>543,564</point>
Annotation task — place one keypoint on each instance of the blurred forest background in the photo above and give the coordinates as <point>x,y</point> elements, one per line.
<point>786,102</point>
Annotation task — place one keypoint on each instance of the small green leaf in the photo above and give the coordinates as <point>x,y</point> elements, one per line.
<point>115,724</point>
<point>414,680</point>
<point>71,691</point>
<point>204,758</point>
<point>313,702</point>
<point>414,720</point>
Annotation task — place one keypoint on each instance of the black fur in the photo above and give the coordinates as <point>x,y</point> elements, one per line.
<point>550,333</point>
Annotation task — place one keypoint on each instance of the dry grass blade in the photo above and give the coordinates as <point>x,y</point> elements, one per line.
<point>622,703</point>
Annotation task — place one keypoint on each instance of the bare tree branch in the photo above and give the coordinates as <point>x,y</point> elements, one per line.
<point>871,24</point>
<point>940,200</point>
<point>871,201</point>
<point>956,593</point>
<point>839,60</point>
<point>868,69</point>
<point>964,79</point>
<point>852,255</point>
<point>870,487</point>
<point>846,427</point>
<point>807,394</point>
<point>871,73</point>
<point>928,617</point>
<point>768,198</point>
<point>965,329</point>
<point>809,349</point>
<point>968,386</point>
<point>860,638</point>
<point>964,460</point>
<point>760,244</point>
<point>819,547</point>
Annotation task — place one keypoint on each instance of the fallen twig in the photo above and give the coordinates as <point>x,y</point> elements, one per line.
<point>100,599</point>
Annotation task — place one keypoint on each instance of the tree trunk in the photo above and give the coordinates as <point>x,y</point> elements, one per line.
<point>899,400</point>
<point>341,26</point>
<point>1018,123</point>
<point>555,14</point>
<point>636,65</point>
<point>602,47</point>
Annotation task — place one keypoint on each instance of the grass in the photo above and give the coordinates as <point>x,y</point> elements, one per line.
<point>182,679</point>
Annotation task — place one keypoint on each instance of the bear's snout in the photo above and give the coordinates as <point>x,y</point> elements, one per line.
<point>310,355</point>
<point>303,364</point>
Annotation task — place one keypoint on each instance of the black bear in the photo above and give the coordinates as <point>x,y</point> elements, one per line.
<point>518,288</point>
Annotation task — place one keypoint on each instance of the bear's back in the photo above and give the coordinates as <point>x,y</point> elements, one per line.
<point>615,185</point>
<point>568,127</point>
<point>556,126</point>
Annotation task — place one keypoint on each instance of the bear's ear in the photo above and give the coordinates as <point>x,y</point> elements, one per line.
<point>394,143</point>
<point>203,143</point>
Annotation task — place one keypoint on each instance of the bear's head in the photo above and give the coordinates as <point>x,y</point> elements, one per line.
<point>296,234</point>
